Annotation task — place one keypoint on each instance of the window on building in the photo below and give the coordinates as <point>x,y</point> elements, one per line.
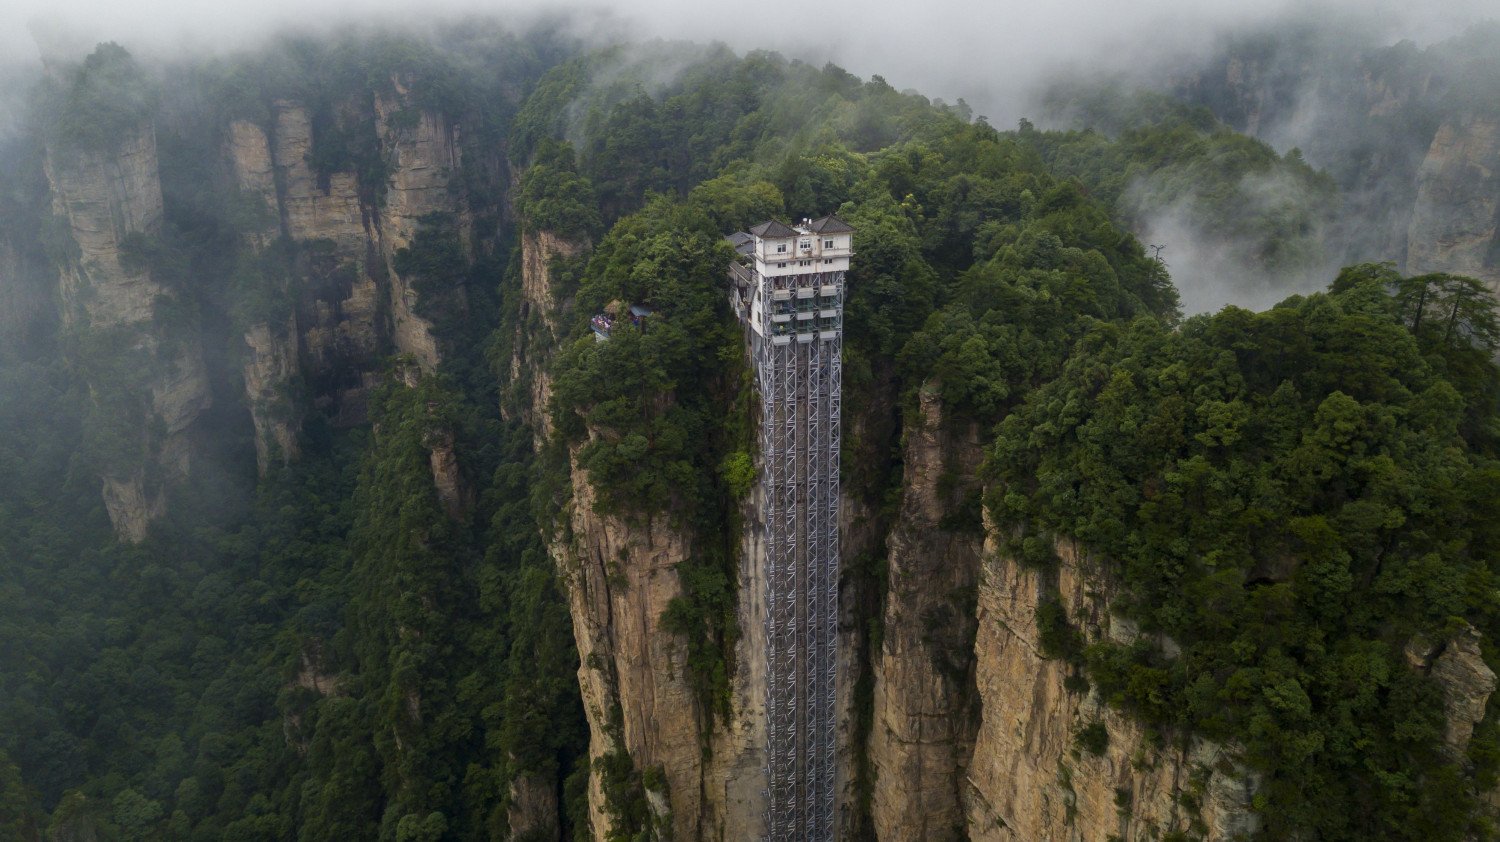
<point>781,248</point>
<point>806,262</point>
<point>781,266</point>
<point>828,244</point>
<point>805,244</point>
<point>827,260</point>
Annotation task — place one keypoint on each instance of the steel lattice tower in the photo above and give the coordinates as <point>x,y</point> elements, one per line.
<point>791,299</point>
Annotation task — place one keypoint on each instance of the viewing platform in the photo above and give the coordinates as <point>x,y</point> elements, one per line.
<point>602,324</point>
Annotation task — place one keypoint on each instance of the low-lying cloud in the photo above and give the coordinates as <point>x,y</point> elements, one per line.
<point>996,55</point>
<point>990,53</point>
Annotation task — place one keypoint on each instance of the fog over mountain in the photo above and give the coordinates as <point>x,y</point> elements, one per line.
<point>1000,58</point>
<point>990,53</point>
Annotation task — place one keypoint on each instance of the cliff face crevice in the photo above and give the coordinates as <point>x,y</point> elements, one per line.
<point>111,201</point>
<point>925,701</point>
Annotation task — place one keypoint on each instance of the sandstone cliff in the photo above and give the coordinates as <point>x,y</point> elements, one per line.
<point>1454,221</point>
<point>532,811</point>
<point>979,735</point>
<point>1466,681</point>
<point>348,305</point>
<point>536,330</point>
<point>111,200</point>
<point>924,708</point>
<point>270,366</point>
<point>1417,167</point>
<point>1029,779</point>
<point>975,730</point>
<point>620,577</point>
<point>704,775</point>
<point>335,305</point>
<point>422,150</point>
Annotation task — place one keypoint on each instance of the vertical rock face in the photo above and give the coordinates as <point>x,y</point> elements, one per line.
<point>248,152</point>
<point>636,695</point>
<point>620,577</point>
<point>1028,779</point>
<point>313,208</point>
<point>270,369</point>
<point>425,155</point>
<point>338,312</point>
<point>1467,682</point>
<point>924,692</point>
<point>349,304</point>
<point>108,197</point>
<point>536,327</point>
<point>1453,226</point>
<point>734,779</point>
<point>452,492</point>
<point>423,149</point>
<point>532,812</point>
<point>131,505</point>
<point>272,361</point>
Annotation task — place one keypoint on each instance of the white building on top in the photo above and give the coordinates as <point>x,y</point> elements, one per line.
<point>793,288</point>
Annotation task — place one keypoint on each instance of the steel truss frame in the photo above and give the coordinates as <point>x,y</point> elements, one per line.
<point>801,405</point>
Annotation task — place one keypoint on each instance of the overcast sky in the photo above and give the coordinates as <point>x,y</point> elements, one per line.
<point>987,51</point>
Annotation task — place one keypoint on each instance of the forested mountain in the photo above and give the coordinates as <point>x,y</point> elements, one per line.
<point>324,516</point>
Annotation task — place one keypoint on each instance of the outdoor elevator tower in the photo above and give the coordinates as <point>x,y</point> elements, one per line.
<point>790,295</point>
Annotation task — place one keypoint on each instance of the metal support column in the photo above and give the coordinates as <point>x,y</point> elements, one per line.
<point>800,383</point>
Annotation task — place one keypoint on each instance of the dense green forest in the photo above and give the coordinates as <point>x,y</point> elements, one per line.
<point>332,651</point>
<point>1344,430</point>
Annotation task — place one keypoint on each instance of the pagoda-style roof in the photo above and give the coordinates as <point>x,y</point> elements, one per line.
<point>829,224</point>
<point>771,229</point>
